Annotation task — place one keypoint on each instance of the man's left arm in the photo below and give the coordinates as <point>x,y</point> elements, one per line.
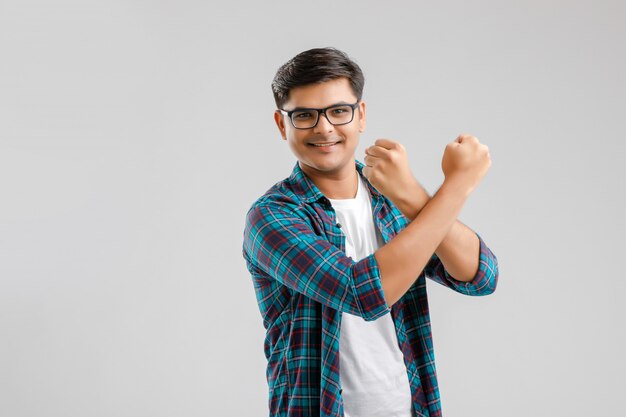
<point>459,251</point>
<point>462,261</point>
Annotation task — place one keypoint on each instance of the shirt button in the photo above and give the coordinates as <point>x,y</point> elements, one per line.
<point>339,225</point>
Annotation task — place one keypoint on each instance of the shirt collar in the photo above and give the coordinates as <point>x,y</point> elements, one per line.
<point>308,191</point>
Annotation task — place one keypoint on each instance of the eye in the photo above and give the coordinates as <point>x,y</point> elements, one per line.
<point>302,115</point>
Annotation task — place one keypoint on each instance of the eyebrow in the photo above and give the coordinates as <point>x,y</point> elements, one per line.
<point>318,108</point>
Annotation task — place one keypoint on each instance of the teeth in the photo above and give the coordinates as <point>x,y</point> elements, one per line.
<point>330,144</point>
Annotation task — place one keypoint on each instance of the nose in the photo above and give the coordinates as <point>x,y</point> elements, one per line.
<point>323,125</point>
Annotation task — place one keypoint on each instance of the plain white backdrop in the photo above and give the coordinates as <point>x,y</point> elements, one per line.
<point>134,136</point>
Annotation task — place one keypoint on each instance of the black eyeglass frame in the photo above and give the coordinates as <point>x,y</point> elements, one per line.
<point>288,113</point>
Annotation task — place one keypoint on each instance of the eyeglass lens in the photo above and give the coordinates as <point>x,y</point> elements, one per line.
<point>337,115</point>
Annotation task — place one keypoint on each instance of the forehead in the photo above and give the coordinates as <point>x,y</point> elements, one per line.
<point>321,95</point>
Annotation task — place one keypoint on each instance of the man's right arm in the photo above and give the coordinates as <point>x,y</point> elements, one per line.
<point>280,243</point>
<point>403,258</point>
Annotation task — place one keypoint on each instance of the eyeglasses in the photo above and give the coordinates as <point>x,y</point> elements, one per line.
<point>338,114</point>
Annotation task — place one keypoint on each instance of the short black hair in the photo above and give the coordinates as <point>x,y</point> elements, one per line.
<point>315,66</point>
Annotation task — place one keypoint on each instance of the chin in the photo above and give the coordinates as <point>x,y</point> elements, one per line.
<point>326,166</point>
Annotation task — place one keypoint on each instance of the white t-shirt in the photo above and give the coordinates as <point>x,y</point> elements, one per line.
<point>373,375</point>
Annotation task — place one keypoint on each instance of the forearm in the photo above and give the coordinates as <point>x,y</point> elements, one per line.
<point>458,251</point>
<point>402,259</point>
<point>412,201</point>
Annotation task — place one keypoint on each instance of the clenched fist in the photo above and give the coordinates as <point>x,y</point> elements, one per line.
<point>465,161</point>
<point>387,169</point>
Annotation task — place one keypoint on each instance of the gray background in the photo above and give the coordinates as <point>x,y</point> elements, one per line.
<point>135,135</point>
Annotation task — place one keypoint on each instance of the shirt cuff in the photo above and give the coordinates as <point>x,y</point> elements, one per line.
<point>486,278</point>
<point>368,288</point>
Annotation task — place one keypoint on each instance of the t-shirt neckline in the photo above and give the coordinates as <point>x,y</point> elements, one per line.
<point>350,201</point>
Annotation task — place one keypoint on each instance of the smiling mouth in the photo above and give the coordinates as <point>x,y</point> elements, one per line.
<point>323,145</point>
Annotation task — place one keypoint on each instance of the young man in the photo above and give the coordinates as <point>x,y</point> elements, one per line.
<point>339,252</point>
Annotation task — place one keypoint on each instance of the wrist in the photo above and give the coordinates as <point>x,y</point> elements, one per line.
<point>457,186</point>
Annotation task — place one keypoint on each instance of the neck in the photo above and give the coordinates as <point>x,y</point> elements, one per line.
<point>337,185</point>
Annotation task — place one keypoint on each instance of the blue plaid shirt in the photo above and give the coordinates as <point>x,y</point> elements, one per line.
<point>303,280</point>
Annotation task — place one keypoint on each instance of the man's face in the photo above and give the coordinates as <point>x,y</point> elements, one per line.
<point>332,159</point>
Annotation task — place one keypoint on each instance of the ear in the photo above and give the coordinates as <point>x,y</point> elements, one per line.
<point>280,123</point>
<point>362,123</point>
